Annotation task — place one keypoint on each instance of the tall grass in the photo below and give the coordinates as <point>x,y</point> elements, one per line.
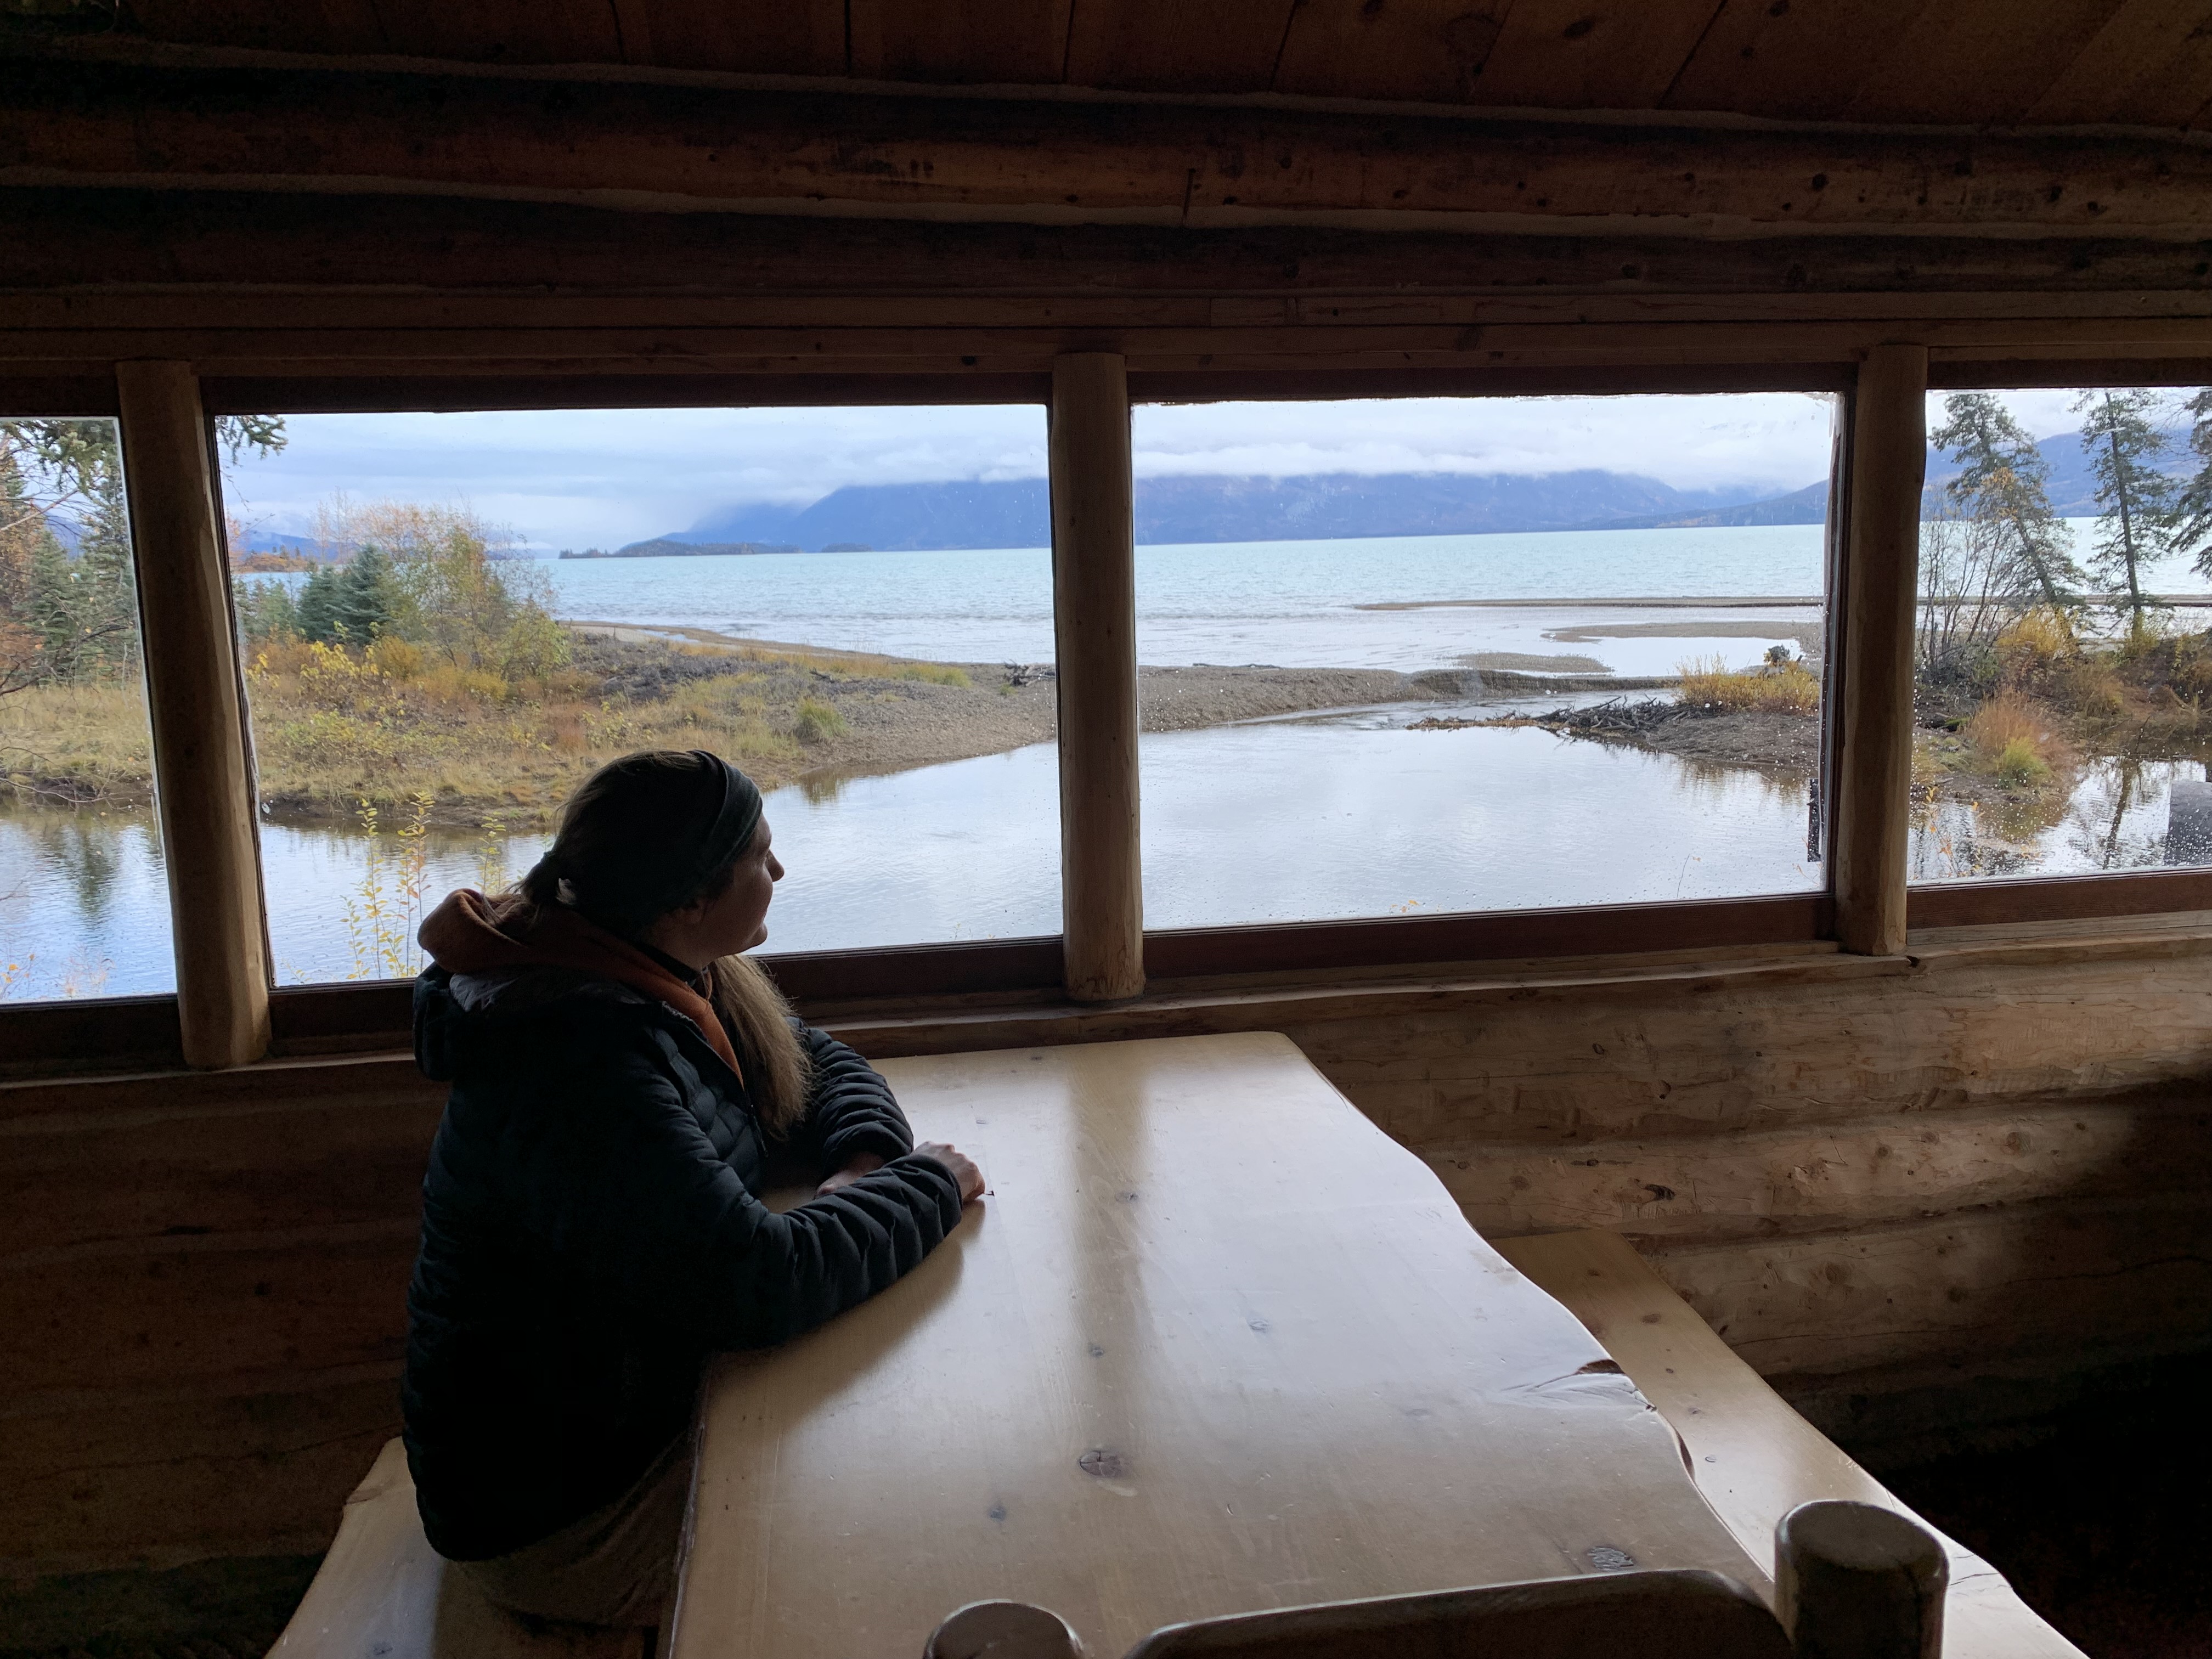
<point>1770,688</point>
<point>818,723</point>
<point>2015,739</point>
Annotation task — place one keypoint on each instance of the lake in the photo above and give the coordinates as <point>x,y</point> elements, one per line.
<point>1305,603</point>
<point>1346,815</point>
<point>1343,814</point>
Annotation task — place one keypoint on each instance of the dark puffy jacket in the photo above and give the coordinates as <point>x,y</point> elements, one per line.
<point>591,1229</point>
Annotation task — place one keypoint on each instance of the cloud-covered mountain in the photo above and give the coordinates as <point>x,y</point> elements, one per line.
<point>2072,486</point>
<point>1212,508</point>
<point>1323,506</point>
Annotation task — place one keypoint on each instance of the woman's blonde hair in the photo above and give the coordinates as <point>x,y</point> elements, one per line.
<point>623,855</point>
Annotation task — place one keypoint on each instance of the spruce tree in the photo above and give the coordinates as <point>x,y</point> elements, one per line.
<point>319,606</point>
<point>2193,529</point>
<point>23,535</point>
<point>107,602</point>
<point>265,610</point>
<point>363,605</point>
<point>2140,514</point>
<point>350,604</point>
<point>57,603</point>
<point>2004,478</point>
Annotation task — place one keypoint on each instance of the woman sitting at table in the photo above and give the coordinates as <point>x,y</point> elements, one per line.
<point>592,1226</point>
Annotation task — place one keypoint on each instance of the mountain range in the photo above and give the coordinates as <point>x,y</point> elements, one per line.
<point>1017,512</point>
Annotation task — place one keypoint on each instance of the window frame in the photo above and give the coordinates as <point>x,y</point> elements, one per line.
<point>120,1033</point>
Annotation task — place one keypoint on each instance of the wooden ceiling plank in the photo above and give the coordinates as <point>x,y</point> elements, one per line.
<point>320,26</point>
<point>797,37</point>
<point>1592,54</point>
<point>1174,46</point>
<point>2150,65</point>
<point>1424,51</point>
<point>1058,160</point>
<point>972,42</point>
<point>1977,61</point>
<point>503,31</point>
<point>1788,59</point>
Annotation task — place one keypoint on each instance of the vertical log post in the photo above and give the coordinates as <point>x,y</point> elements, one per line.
<point>1094,583</point>
<point>1888,462</point>
<point>1852,1581</point>
<point>202,789</point>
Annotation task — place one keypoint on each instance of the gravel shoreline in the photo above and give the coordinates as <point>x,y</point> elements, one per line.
<point>1765,741</point>
<point>894,722</point>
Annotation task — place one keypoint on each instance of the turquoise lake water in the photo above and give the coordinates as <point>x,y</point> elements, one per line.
<point>1339,814</point>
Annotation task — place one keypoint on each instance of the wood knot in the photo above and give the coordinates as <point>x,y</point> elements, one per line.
<point>1104,1463</point>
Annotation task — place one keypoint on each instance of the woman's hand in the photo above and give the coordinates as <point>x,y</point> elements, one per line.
<point>862,1164</point>
<point>964,1173</point>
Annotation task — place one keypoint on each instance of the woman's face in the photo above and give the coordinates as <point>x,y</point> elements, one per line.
<point>734,919</point>
<point>737,920</point>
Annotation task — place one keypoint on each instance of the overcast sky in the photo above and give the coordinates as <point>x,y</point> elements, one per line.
<point>604,478</point>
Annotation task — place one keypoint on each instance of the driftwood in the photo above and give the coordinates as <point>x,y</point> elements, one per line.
<point>1616,717</point>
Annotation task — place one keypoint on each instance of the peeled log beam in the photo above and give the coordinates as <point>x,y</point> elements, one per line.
<point>205,803</point>
<point>2058,1285</point>
<point>1094,575</point>
<point>1699,1190</point>
<point>129,1479</point>
<point>1881,532</point>
<point>548,252</point>
<point>1064,161</point>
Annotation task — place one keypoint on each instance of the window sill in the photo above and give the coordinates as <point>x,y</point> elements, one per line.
<point>1014,985</point>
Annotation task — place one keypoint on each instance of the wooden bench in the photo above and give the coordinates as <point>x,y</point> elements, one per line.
<point>1753,1458</point>
<point>383,1593</point>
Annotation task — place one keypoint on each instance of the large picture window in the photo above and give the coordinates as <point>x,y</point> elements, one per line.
<point>2063,662</point>
<point>448,621</point>
<point>84,902</point>
<point>1440,655</point>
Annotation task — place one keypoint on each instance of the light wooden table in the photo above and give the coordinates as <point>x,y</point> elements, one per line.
<point>1212,1343</point>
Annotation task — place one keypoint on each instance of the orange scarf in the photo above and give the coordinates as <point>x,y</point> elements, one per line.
<point>464,935</point>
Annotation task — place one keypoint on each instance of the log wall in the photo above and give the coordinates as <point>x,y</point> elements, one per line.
<point>1984,1157</point>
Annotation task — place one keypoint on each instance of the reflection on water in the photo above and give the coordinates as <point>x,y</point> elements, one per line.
<point>1286,821</point>
<point>2116,818</point>
<point>84,904</point>
<point>1313,817</point>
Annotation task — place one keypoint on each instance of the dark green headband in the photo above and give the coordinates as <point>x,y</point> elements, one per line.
<point>736,819</point>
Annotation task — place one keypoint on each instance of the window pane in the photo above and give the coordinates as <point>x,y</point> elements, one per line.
<point>84,902</point>
<point>2064,662</point>
<point>450,620</point>
<point>1435,655</point>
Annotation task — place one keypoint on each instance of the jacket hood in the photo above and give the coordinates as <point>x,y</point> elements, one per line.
<point>473,938</point>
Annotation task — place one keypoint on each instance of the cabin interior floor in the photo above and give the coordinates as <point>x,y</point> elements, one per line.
<point>2097,1513</point>
<point>2094,1512</point>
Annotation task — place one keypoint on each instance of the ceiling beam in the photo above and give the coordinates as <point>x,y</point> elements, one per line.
<point>1052,161</point>
<point>119,242</point>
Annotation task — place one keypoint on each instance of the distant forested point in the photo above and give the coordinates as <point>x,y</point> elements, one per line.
<point>662,548</point>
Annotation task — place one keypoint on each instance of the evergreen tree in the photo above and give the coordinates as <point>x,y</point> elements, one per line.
<point>318,609</point>
<point>2004,478</point>
<point>84,606</point>
<point>363,603</point>
<point>265,610</point>
<point>23,537</point>
<point>75,615</point>
<point>107,601</point>
<point>2141,514</point>
<point>2193,529</point>
<point>350,604</point>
